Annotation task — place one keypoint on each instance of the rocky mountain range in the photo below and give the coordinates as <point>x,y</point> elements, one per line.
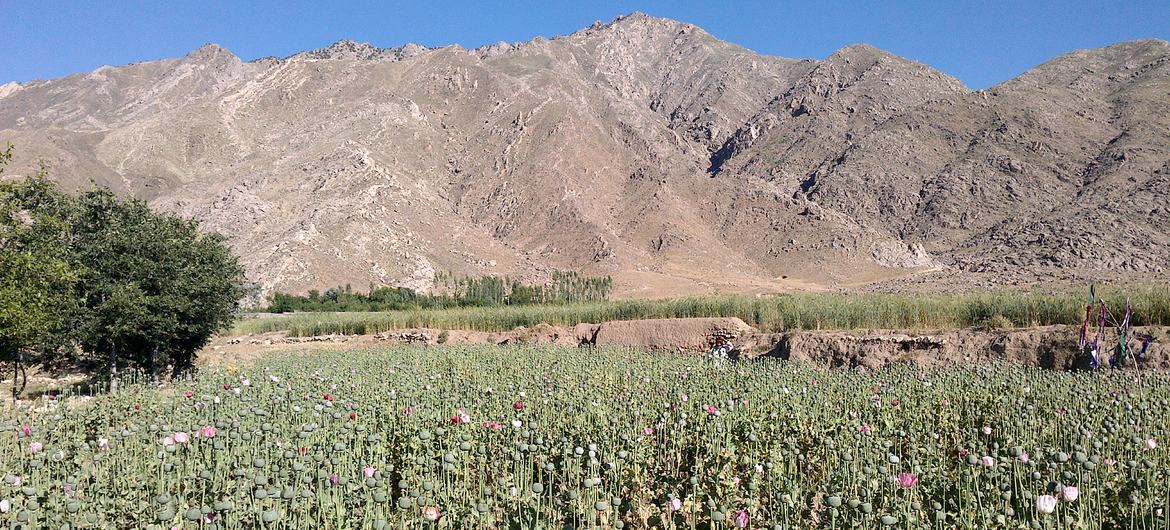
<point>644,148</point>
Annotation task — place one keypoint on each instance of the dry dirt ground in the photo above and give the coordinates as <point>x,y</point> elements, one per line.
<point>1053,347</point>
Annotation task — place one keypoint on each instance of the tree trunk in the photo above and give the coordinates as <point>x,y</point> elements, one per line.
<point>19,375</point>
<point>113,367</point>
<point>153,367</point>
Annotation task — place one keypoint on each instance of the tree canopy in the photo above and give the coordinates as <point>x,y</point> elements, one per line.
<point>98,278</point>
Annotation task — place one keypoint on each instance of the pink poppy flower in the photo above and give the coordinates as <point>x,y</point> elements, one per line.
<point>103,444</point>
<point>369,471</point>
<point>866,428</point>
<point>431,513</point>
<point>908,480</point>
<point>207,431</point>
<point>333,479</point>
<point>986,430</point>
<point>675,504</point>
<point>1025,458</point>
<point>1151,444</point>
<point>518,405</point>
<point>648,431</point>
<point>711,409</point>
<point>741,516</point>
<point>988,461</point>
<point>188,394</point>
<point>1070,493</point>
<point>1046,504</point>
<point>26,430</point>
<point>35,447</point>
<point>182,438</point>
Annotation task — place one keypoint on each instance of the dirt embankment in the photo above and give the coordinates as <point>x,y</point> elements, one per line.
<point>1052,347</point>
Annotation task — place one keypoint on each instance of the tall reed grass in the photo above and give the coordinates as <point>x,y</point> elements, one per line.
<point>1151,306</point>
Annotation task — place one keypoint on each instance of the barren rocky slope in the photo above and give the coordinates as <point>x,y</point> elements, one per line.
<point>644,148</point>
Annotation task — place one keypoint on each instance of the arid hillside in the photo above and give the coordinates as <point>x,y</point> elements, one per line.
<point>644,148</point>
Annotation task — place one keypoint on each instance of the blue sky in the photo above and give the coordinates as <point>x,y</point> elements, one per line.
<point>981,43</point>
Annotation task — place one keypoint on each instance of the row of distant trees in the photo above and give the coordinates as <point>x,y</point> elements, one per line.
<point>450,291</point>
<point>92,278</point>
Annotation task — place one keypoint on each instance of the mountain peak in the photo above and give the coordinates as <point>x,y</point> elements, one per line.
<point>634,22</point>
<point>347,49</point>
<point>210,52</point>
<point>1098,68</point>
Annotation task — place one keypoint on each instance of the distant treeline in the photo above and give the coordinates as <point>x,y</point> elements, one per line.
<point>451,291</point>
<point>780,313</point>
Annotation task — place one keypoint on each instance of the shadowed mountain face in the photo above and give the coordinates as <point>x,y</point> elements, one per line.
<point>644,148</point>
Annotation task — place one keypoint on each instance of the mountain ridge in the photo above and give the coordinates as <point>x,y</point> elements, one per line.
<point>644,148</point>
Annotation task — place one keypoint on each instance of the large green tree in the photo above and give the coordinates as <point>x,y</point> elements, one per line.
<point>155,288</point>
<point>108,278</point>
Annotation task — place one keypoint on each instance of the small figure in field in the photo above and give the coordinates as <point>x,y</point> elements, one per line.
<point>721,350</point>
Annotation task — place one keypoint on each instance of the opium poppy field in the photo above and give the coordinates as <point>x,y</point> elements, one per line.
<point>526,437</point>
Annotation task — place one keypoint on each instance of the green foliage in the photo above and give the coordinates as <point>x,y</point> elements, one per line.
<point>599,438</point>
<point>451,292</point>
<point>157,289</point>
<point>1151,306</point>
<point>36,272</point>
<point>124,284</point>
